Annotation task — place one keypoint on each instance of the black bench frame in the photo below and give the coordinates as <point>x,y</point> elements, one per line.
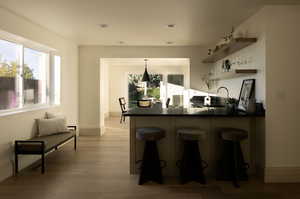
<point>42,151</point>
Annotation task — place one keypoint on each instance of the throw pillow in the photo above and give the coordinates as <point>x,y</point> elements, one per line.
<point>51,126</point>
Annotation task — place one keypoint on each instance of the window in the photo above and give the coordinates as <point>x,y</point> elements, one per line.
<point>57,71</point>
<point>34,77</point>
<point>177,79</point>
<point>138,89</point>
<point>9,69</point>
<point>161,87</point>
<point>24,77</point>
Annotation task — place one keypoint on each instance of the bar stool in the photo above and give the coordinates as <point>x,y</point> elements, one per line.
<point>231,165</point>
<point>191,164</point>
<point>151,164</point>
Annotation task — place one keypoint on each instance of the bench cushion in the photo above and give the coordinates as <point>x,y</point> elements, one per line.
<point>50,142</point>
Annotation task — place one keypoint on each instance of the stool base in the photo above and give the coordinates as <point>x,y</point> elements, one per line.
<point>191,167</point>
<point>231,166</point>
<point>151,164</point>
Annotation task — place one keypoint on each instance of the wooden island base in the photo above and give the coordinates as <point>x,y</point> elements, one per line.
<point>170,147</point>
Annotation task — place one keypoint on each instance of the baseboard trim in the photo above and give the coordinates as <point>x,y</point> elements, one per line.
<point>260,172</point>
<point>114,114</point>
<point>106,115</point>
<point>282,175</point>
<point>90,132</point>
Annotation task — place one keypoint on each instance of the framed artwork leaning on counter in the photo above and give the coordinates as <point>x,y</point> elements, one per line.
<point>246,94</point>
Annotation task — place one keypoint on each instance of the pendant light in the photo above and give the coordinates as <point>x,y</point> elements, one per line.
<point>146,77</point>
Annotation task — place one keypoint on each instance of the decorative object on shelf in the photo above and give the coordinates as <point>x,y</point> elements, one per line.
<point>226,65</point>
<point>224,41</point>
<point>223,66</point>
<point>230,36</point>
<point>207,80</point>
<point>146,77</point>
<point>209,52</point>
<point>233,46</point>
<point>216,49</point>
<point>247,95</point>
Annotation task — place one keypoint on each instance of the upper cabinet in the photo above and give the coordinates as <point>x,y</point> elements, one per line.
<point>233,46</point>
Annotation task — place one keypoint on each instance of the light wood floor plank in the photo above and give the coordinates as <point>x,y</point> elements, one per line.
<point>100,169</point>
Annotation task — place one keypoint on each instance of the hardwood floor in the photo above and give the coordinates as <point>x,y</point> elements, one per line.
<point>100,169</point>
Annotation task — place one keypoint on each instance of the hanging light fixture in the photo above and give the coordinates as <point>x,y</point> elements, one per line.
<point>146,77</point>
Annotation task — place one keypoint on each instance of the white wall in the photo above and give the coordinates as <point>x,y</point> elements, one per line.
<point>118,84</point>
<point>253,27</point>
<point>283,96</point>
<point>89,58</point>
<point>104,90</point>
<point>21,126</point>
<point>276,54</point>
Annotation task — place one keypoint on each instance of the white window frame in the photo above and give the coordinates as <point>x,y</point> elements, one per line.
<point>50,53</point>
<point>52,88</point>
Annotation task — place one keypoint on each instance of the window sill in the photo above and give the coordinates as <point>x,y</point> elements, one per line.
<point>26,109</point>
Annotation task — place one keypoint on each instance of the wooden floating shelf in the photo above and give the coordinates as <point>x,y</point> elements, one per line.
<point>234,74</point>
<point>233,46</point>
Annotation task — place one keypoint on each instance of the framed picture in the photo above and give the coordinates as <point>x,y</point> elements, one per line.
<point>247,92</point>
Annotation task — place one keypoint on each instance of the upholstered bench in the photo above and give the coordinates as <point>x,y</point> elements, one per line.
<point>42,145</point>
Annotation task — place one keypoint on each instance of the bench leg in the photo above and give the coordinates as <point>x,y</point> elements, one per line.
<point>16,163</point>
<point>43,163</point>
<point>75,142</point>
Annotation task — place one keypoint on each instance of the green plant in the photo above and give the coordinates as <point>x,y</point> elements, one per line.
<point>11,70</point>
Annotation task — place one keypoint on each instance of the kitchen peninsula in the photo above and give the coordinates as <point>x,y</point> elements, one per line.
<point>208,119</point>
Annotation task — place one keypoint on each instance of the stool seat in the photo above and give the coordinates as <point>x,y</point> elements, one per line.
<point>150,133</point>
<point>191,133</point>
<point>233,134</point>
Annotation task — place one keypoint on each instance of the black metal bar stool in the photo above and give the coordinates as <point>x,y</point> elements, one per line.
<point>191,164</point>
<point>151,164</point>
<point>232,165</point>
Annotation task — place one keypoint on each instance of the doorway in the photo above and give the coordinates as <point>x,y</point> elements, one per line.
<point>121,77</point>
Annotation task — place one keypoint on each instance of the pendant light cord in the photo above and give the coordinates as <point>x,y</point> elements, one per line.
<point>146,63</point>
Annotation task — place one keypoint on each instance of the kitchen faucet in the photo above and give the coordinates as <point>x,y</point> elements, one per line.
<point>223,87</point>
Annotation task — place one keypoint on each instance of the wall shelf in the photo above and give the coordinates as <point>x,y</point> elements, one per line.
<point>233,46</point>
<point>234,74</point>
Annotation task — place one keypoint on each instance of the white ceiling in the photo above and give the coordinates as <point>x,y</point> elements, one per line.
<point>138,22</point>
<point>151,62</point>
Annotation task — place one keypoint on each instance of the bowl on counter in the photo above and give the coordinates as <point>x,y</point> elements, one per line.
<point>144,103</point>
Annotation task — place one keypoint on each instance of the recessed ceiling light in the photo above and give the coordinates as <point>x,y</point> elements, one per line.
<point>103,25</point>
<point>171,25</point>
<point>169,42</point>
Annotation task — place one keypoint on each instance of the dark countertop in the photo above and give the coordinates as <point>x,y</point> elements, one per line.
<point>195,112</point>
